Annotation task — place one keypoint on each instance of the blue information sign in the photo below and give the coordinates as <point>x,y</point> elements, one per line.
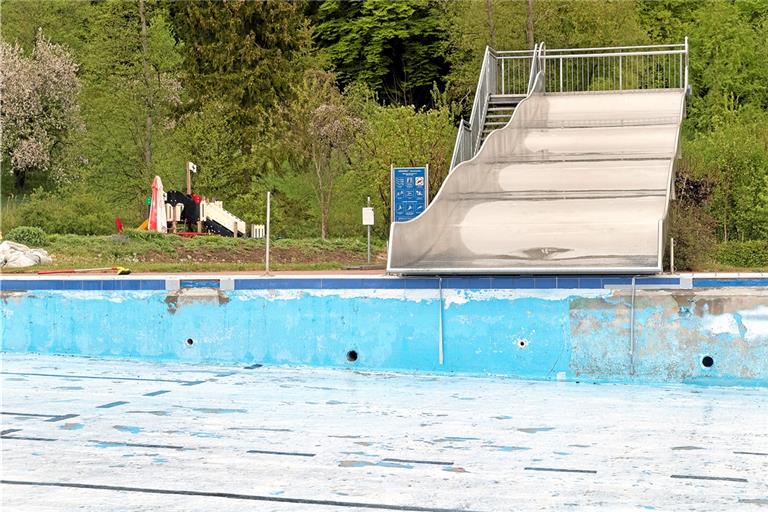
<point>410,188</point>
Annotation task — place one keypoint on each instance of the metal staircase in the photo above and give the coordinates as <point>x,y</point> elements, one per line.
<point>499,112</point>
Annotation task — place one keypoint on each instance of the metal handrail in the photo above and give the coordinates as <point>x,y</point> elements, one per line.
<point>480,104</point>
<point>462,150</point>
<point>636,47</point>
<point>618,68</point>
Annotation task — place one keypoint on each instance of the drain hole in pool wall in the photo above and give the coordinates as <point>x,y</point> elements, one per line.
<point>190,341</point>
<point>352,356</point>
<point>522,343</point>
<point>707,362</point>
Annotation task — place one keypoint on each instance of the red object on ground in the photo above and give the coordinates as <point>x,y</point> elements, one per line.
<point>119,224</point>
<point>190,234</point>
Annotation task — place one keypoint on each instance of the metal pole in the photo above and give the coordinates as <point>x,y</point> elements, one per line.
<point>189,179</point>
<point>440,353</point>
<point>369,234</point>
<point>632,332</point>
<point>621,77</point>
<point>266,258</point>
<point>672,255</point>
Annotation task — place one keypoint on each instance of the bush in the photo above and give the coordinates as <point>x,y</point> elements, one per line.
<point>748,254</point>
<point>27,235</point>
<point>68,211</point>
<point>691,228</point>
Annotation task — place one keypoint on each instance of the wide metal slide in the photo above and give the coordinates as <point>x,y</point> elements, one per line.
<point>577,180</point>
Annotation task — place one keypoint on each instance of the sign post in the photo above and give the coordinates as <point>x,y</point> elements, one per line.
<point>368,221</point>
<point>410,192</point>
<point>190,169</point>
<point>266,256</point>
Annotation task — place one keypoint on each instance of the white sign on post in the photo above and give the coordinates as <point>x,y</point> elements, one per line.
<point>367,216</point>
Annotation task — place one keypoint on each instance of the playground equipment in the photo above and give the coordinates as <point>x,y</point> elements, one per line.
<point>566,166</point>
<point>193,212</point>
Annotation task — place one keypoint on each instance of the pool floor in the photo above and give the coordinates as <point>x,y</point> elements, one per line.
<point>100,435</point>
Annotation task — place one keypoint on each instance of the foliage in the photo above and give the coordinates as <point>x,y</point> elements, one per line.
<point>749,254</point>
<point>322,131</point>
<point>734,158</point>
<point>246,54</point>
<point>401,136</point>
<point>728,61</point>
<point>39,105</point>
<point>502,24</point>
<point>72,210</point>
<point>394,46</point>
<point>27,235</point>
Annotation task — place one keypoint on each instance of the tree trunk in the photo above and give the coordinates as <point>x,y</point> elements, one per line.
<point>323,222</point>
<point>491,24</point>
<point>529,27</point>
<point>149,98</point>
<point>21,179</point>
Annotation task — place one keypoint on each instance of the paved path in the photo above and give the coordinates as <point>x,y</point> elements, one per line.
<point>99,435</point>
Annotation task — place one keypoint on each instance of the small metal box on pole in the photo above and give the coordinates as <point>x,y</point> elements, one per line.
<point>368,221</point>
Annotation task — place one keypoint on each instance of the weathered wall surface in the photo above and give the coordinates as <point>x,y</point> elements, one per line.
<point>604,334</point>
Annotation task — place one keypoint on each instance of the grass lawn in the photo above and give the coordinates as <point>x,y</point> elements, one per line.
<point>153,252</point>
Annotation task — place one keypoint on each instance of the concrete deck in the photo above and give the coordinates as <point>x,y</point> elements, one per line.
<point>99,435</point>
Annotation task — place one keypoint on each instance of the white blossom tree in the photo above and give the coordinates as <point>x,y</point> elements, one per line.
<point>38,105</point>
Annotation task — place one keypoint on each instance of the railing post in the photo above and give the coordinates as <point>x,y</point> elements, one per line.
<point>502,75</point>
<point>621,65</point>
<point>561,74</point>
<point>686,65</point>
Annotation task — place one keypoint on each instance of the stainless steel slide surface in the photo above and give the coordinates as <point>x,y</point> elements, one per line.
<point>575,183</point>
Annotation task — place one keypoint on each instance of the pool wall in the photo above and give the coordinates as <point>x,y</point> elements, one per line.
<point>697,329</point>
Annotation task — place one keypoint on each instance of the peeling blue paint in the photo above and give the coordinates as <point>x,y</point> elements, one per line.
<point>555,334</point>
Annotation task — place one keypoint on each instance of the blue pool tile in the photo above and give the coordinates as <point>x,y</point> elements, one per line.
<point>617,280</point>
<point>568,282</point>
<point>346,284</point>
<point>92,284</point>
<point>545,282</point>
<point>527,283</point>
<point>294,284</point>
<point>71,284</point>
<point>110,284</point>
<point>388,284</point>
<point>513,283</point>
<point>13,285</point>
<point>249,284</point>
<point>590,282</point>
<point>420,283</point>
<point>152,284</point>
<point>707,282</point>
<point>128,284</point>
<point>474,283</point>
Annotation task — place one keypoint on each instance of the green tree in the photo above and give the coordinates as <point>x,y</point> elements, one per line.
<point>246,54</point>
<point>400,136</point>
<point>734,157</point>
<point>728,60</point>
<point>321,133</point>
<point>394,46</point>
